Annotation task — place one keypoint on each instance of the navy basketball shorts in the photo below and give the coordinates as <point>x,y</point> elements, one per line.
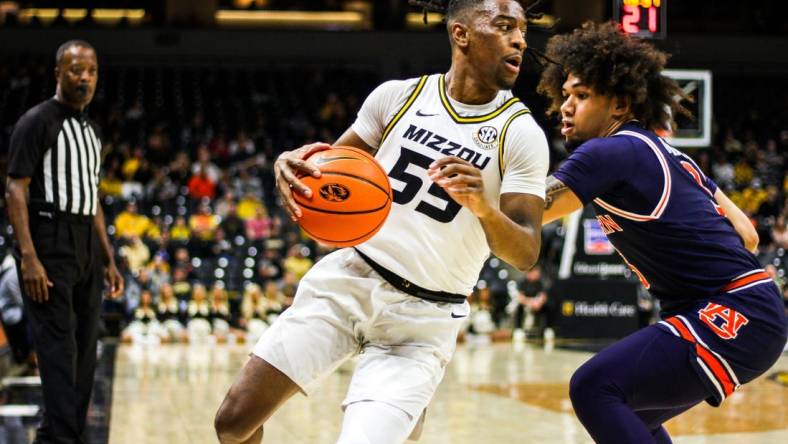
<point>736,335</point>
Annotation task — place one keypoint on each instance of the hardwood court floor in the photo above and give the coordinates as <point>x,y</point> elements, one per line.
<point>501,393</point>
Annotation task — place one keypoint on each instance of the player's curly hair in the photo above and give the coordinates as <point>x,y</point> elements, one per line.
<point>613,63</point>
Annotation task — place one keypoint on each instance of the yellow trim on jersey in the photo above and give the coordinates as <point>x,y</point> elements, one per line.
<point>503,136</point>
<point>475,119</point>
<point>404,108</point>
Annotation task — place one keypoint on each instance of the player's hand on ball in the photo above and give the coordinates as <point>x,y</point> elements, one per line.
<point>288,166</point>
<point>463,182</point>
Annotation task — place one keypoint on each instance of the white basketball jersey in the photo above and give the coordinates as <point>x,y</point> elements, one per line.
<point>428,238</point>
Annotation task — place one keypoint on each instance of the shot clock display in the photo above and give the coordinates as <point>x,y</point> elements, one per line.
<point>642,18</point>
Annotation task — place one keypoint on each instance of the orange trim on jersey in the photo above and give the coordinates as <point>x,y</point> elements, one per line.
<point>704,354</point>
<point>741,282</point>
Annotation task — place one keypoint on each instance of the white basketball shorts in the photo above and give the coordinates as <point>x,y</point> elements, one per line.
<point>343,308</point>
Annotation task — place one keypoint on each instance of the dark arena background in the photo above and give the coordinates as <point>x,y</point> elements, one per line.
<point>197,98</point>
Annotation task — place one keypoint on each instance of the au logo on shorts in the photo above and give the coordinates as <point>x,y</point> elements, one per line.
<point>723,321</point>
<point>334,192</point>
<point>486,137</point>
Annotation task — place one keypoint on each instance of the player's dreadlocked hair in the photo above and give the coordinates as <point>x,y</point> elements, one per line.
<point>612,63</point>
<point>453,8</point>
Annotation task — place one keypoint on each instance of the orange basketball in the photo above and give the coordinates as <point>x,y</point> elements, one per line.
<point>350,201</point>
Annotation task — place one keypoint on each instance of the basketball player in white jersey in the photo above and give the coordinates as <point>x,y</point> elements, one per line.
<point>467,163</point>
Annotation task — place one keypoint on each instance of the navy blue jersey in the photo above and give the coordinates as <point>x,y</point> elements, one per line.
<point>658,209</point>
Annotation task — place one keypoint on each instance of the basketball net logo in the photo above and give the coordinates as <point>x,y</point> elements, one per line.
<point>732,320</point>
<point>334,192</point>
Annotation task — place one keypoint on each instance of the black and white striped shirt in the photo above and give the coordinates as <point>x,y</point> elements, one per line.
<point>60,150</point>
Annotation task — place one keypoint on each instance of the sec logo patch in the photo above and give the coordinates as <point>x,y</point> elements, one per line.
<point>486,137</point>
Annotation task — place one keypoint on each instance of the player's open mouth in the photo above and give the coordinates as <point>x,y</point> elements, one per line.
<point>566,127</point>
<point>513,63</point>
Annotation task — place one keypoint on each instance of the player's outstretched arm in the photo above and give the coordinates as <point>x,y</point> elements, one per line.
<point>559,201</point>
<point>514,231</point>
<point>739,220</point>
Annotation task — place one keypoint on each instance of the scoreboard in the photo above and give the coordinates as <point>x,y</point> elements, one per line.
<point>642,18</point>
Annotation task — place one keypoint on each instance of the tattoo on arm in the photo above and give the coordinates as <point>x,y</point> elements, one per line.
<point>554,189</point>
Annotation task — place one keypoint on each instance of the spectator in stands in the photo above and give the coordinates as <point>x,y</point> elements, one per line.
<point>731,143</point>
<point>181,286</point>
<point>297,261</point>
<point>480,322</point>
<point>182,260</point>
<point>773,273</point>
<point>743,172</point>
<point>132,163</point>
<point>205,165</point>
<point>161,188</point>
<point>170,314</point>
<point>232,225</point>
<point>129,223</point>
<point>180,169</point>
<point>223,204</point>
<point>159,149</point>
<point>253,313</point>
<point>774,158</point>
<point>136,253</point>
<point>198,313</point>
<point>248,205</point>
<point>135,284</point>
<point>767,212</point>
<point>180,232</point>
<point>219,149</point>
<point>220,312</point>
<point>159,271</point>
<point>221,246</point>
<point>288,286</point>
<point>198,132</point>
<point>780,232</point>
<point>242,147</point>
<point>269,267</point>
<point>273,301</point>
<point>204,223</point>
<point>144,326</point>
<point>532,310</point>
<point>201,186</point>
<point>110,184</point>
<point>203,226</point>
<point>246,183</point>
<point>258,227</point>
<point>723,171</point>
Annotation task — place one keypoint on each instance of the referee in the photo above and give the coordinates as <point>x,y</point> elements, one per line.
<point>63,253</point>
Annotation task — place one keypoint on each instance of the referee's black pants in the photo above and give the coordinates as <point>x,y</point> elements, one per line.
<point>65,328</point>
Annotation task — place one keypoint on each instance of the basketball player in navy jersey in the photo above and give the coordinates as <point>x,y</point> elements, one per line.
<point>723,322</point>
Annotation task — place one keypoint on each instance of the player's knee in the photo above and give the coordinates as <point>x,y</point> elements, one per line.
<point>587,386</point>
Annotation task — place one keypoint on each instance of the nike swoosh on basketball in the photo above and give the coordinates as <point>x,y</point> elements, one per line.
<point>421,114</point>
<point>457,316</point>
<point>322,160</point>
